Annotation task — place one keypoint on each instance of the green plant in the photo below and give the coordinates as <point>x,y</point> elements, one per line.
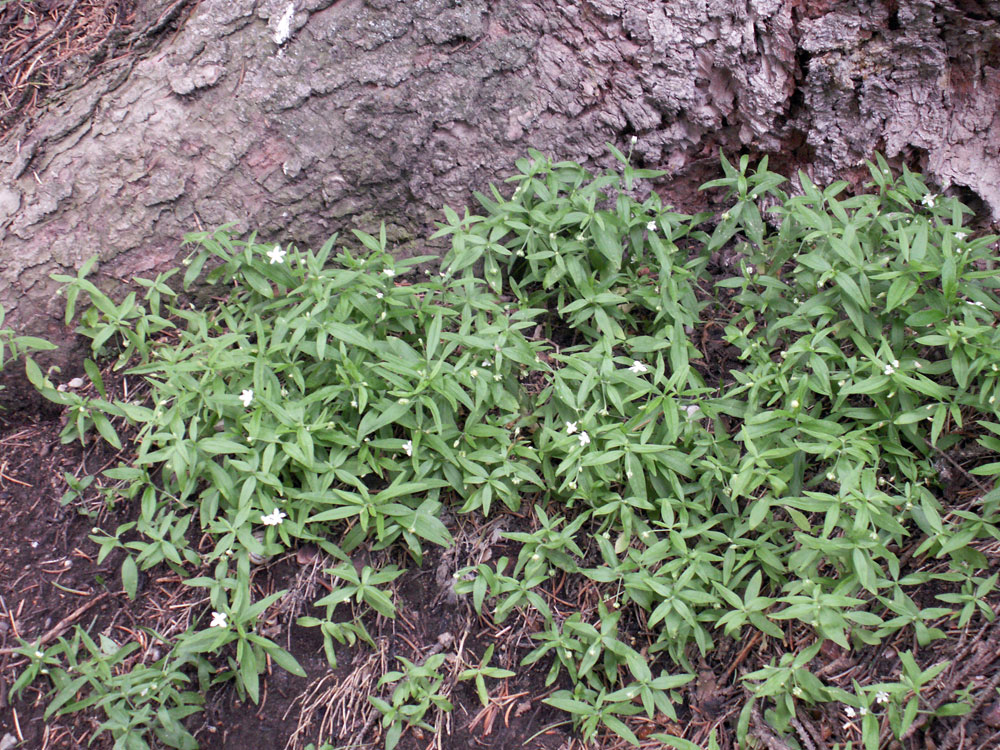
<point>12,346</point>
<point>329,400</point>
<point>415,695</point>
<point>481,672</point>
<point>137,701</point>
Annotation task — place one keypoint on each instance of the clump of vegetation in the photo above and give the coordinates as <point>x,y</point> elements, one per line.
<point>342,399</point>
<point>12,347</point>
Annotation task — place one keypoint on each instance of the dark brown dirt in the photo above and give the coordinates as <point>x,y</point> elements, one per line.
<point>48,44</point>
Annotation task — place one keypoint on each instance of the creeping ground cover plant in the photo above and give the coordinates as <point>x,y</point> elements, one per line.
<point>828,487</point>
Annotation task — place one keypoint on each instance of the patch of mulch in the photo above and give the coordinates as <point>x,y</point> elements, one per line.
<point>47,43</point>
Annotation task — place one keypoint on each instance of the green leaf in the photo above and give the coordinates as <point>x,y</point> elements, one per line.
<point>618,727</point>
<point>34,373</point>
<point>348,335</point>
<point>375,418</point>
<point>758,511</point>
<point>215,446</point>
<point>285,660</point>
<point>608,243</point>
<point>130,576</point>
<point>95,377</point>
<point>105,428</point>
<point>900,290</point>
<point>248,674</point>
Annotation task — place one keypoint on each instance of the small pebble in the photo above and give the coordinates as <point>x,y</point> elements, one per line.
<point>306,554</point>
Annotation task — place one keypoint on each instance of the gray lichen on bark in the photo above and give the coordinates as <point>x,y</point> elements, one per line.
<point>302,117</point>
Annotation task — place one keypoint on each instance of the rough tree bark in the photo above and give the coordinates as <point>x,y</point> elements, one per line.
<point>302,117</point>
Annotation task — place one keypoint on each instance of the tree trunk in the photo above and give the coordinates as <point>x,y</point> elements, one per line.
<point>302,117</point>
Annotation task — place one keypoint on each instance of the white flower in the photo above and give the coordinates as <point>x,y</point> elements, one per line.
<point>881,697</point>
<point>961,235</point>
<point>862,711</point>
<point>751,270</point>
<point>889,370</point>
<point>651,226</point>
<point>633,140</point>
<point>218,620</point>
<point>408,447</point>
<point>794,403</point>
<point>850,712</point>
<point>389,272</point>
<point>692,410</point>
<point>638,367</point>
<point>276,255</point>
<point>246,397</point>
<point>928,200</point>
<point>570,428</point>
<point>379,295</point>
<point>474,373</point>
<point>273,519</point>
<point>584,439</point>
